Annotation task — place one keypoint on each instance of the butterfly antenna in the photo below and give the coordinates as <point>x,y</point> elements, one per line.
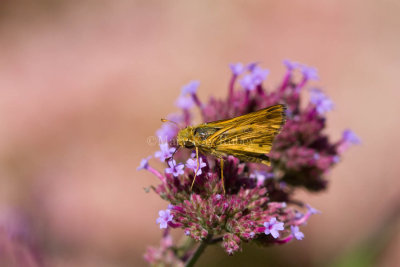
<point>165,120</point>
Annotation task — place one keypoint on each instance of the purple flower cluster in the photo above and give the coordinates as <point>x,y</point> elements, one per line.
<point>258,205</point>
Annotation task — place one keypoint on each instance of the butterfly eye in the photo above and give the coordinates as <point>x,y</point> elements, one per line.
<point>189,144</point>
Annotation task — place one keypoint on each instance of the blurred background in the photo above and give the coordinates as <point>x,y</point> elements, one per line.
<point>84,83</point>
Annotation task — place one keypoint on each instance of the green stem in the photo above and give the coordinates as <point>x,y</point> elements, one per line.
<point>185,244</point>
<point>196,255</point>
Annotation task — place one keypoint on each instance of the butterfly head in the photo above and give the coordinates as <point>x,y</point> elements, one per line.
<point>185,138</point>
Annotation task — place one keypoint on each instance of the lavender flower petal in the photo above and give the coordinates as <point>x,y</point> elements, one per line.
<point>165,152</point>
<point>296,232</point>
<point>322,102</point>
<point>165,216</point>
<point>236,68</point>
<point>190,88</point>
<point>144,164</point>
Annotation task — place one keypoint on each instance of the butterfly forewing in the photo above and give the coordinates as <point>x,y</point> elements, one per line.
<point>248,137</point>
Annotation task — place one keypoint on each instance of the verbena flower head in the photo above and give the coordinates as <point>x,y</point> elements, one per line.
<point>259,204</point>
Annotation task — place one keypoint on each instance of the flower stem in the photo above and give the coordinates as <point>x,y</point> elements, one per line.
<point>184,245</point>
<point>197,253</point>
<point>285,81</point>
<point>232,87</point>
<point>197,101</point>
<point>157,173</point>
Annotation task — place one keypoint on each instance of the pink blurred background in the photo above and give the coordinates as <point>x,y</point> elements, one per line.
<point>84,83</point>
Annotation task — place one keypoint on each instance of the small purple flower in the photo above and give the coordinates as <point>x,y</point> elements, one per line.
<point>187,232</point>
<point>311,210</point>
<point>184,102</point>
<point>259,75</point>
<point>175,169</point>
<point>192,164</point>
<point>251,66</point>
<point>290,65</point>
<point>310,73</point>
<point>190,88</point>
<point>165,217</point>
<point>165,152</point>
<point>255,78</point>
<point>321,101</point>
<point>336,159</point>
<point>144,164</point>
<point>247,82</point>
<point>298,215</point>
<point>218,197</point>
<point>272,227</point>
<point>261,176</point>
<point>350,137</point>
<point>236,68</point>
<point>296,232</point>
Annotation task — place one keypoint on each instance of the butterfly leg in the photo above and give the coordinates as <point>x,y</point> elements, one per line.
<point>197,168</point>
<point>222,175</point>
